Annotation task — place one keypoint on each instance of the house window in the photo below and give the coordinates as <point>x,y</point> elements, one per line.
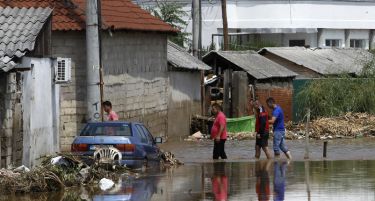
<point>333,43</point>
<point>357,43</point>
<point>293,43</point>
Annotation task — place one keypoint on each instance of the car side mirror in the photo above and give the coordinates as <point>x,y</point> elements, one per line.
<point>158,140</point>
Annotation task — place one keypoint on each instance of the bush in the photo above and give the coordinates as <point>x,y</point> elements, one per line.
<point>335,96</point>
<point>338,95</point>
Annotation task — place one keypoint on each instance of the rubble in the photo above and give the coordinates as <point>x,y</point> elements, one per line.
<point>169,159</point>
<point>55,173</point>
<point>350,125</point>
<point>241,136</point>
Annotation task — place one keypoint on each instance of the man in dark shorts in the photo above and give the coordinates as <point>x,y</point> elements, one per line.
<point>262,130</point>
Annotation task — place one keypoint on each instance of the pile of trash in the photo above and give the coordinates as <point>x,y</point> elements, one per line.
<point>169,159</point>
<point>241,136</point>
<point>198,136</point>
<point>350,125</point>
<point>58,172</point>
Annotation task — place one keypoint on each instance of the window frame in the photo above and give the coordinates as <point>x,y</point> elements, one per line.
<point>331,43</point>
<point>362,43</point>
<point>148,133</point>
<point>139,130</point>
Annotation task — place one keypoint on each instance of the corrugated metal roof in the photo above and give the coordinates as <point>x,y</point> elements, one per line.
<point>256,65</point>
<point>19,28</point>
<point>178,57</point>
<point>116,14</point>
<point>324,61</point>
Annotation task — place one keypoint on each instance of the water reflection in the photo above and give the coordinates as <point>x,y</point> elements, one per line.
<point>263,180</point>
<point>128,190</point>
<point>279,180</point>
<point>220,182</point>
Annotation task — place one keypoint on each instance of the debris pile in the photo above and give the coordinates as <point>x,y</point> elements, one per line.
<point>169,159</point>
<point>350,125</point>
<point>241,136</point>
<point>56,173</point>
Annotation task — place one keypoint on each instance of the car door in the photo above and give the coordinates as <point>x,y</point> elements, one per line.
<point>154,147</point>
<point>147,145</point>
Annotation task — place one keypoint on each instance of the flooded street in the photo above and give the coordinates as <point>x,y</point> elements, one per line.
<point>243,151</point>
<point>242,178</point>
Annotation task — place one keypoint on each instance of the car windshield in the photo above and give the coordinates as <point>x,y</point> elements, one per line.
<point>106,130</point>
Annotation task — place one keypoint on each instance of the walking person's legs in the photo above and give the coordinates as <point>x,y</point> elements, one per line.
<point>223,155</point>
<point>276,143</point>
<point>257,151</point>
<point>267,152</point>
<point>284,148</point>
<point>216,152</point>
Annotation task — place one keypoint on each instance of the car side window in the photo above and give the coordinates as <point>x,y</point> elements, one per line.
<point>144,138</point>
<point>148,134</point>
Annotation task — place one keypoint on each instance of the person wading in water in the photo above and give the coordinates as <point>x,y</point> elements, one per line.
<point>262,130</point>
<point>219,132</point>
<point>278,129</point>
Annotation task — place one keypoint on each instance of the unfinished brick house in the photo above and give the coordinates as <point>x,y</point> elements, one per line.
<point>134,61</point>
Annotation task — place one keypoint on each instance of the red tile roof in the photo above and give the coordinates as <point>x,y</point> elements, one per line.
<point>116,14</point>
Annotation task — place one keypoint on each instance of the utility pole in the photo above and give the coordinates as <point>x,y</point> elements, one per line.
<point>93,61</point>
<point>195,17</point>
<point>100,58</point>
<point>225,23</point>
<point>200,32</point>
<point>197,34</point>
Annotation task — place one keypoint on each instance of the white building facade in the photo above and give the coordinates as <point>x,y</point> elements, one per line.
<point>313,23</point>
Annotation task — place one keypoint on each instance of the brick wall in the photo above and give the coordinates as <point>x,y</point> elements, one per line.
<point>3,116</point>
<point>282,96</point>
<point>136,80</point>
<point>72,98</point>
<point>10,120</point>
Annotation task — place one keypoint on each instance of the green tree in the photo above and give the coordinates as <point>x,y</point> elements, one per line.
<point>173,14</point>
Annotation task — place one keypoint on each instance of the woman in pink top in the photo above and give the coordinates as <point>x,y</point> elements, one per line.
<point>111,115</point>
<point>219,132</point>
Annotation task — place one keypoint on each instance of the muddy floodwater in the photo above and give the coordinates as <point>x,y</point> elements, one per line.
<point>243,178</point>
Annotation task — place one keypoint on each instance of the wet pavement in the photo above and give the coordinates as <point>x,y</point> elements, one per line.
<point>241,178</point>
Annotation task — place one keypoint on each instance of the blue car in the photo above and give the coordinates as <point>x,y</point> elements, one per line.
<point>133,140</point>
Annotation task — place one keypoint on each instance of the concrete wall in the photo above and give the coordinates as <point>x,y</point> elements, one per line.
<point>71,44</point>
<point>184,101</point>
<point>39,108</point>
